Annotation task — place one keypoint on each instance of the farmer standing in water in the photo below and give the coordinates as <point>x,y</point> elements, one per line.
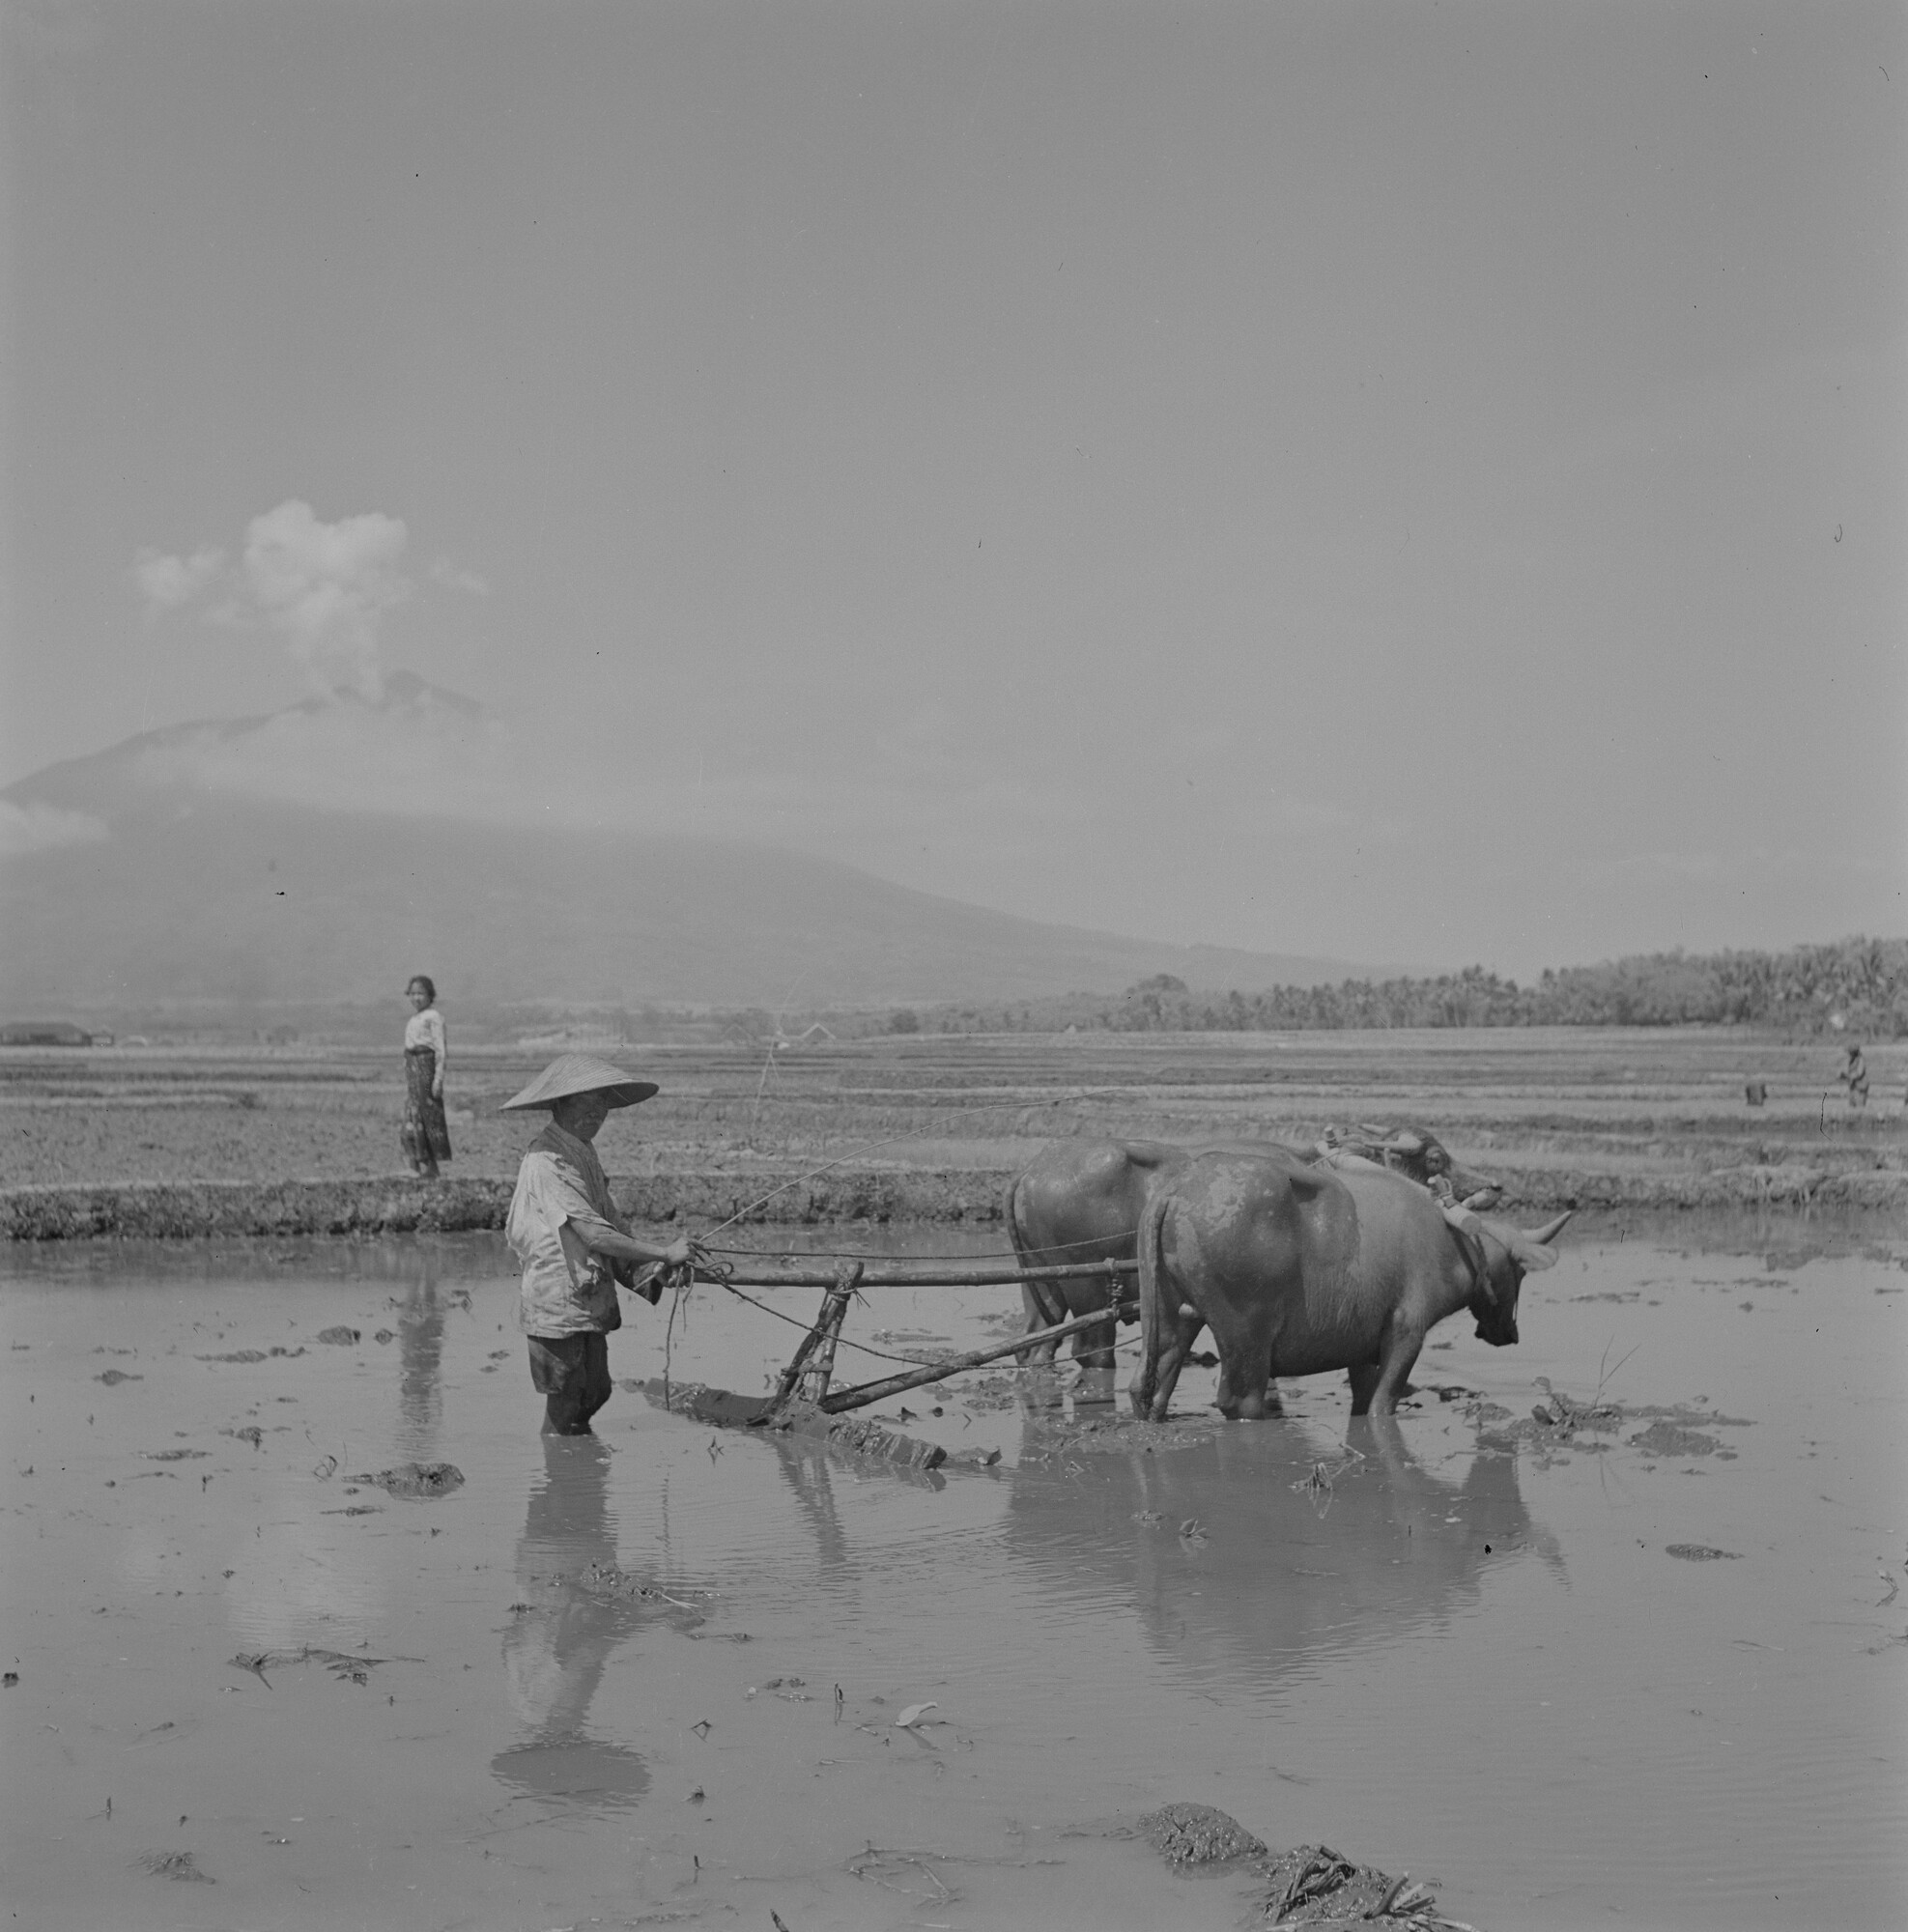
<point>570,1242</point>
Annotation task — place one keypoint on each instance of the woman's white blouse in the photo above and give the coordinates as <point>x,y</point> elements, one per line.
<point>425,1029</point>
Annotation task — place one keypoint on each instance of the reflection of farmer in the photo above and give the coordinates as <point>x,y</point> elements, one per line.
<point>1855,1077</point>
<point>555,1648</point>
<point>572,1244</point>
<point>426,1136</point>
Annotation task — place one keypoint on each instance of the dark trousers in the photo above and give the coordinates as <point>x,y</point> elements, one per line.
<point>572,1373</point>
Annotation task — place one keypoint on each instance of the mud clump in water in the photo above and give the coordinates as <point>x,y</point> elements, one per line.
<point>1312,1884</point>
<point>1560,1424</point>
<point>173,1865</point>
<point>1114,1435</point>
<point>415,1482</point>
<point>1664,1438</point>
<point>1198,1834</point>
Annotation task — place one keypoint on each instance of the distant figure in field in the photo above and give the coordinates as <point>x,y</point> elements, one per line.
<point>1756,1093</point>
<point>426,1137</point>
<point>1855,1077</point>
<point>572,1244</point>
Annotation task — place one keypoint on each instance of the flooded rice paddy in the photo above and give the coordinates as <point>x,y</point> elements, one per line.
<point>1650,1669</point>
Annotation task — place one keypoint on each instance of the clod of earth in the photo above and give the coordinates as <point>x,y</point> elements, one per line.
<point>1665,1439</point>
<point>1114,1436</point>
<point>173,1865</point>
<point>415,1482</point>
<point>1312,1884</point>
<point>1198,1834</point>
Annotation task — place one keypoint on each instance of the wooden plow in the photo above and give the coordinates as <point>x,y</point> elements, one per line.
<point>802,1401</point>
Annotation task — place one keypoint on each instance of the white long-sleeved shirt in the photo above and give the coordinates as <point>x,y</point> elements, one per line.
<point>562,1189</point>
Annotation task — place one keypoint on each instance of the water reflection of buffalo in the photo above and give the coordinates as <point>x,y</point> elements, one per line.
<point>1299,1271</point>
<point>1081,1201</point>
<point>1290,1563</point>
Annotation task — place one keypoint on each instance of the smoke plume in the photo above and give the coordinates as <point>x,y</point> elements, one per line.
<point>324,588</point>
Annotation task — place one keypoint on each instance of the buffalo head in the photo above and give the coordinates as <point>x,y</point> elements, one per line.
<point>1510,1253</point>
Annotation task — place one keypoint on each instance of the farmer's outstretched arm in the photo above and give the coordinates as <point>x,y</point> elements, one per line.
<point>603,1240</point>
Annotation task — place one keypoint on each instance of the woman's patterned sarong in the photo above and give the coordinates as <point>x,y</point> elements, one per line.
<point>426,1136</point>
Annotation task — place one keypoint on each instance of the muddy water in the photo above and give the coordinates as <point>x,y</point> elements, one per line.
<point>1471,1655</point>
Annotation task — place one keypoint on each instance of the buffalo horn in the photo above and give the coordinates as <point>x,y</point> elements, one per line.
<point>1550,1230</point>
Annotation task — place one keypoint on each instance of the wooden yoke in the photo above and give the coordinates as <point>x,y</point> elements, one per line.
<point>813,1363</point>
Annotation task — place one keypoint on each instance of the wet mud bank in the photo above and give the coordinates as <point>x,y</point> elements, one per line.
<point>396,1205</point>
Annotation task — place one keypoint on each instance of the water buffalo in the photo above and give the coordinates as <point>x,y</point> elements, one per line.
<point>1298,1270</point>
<point>1080,1201</point>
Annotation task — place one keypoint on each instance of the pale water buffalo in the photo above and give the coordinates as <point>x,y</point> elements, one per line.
<point>1298,1270</point>
<point>1081,1200</point>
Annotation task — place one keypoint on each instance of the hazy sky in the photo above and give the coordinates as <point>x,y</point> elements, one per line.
<point>1424,483</point>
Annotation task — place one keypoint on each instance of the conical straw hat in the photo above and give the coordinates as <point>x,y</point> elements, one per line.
<point>582,1073</point>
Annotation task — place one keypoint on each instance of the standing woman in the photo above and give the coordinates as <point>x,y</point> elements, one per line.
<point>426,1138</point>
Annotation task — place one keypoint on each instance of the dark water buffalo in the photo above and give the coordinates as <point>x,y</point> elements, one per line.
<point>1081,1200</point>
<point>1300,1269</point>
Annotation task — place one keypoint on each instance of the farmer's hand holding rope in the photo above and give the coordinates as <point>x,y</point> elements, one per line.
<point>683,1262</point>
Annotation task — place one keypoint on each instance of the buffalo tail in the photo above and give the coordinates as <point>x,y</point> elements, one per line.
<point>1153,1261</point>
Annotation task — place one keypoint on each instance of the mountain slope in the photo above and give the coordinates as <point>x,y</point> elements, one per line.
<point>134,881</point>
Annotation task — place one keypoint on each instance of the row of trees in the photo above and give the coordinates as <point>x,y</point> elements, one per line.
<point>1859,985</point>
